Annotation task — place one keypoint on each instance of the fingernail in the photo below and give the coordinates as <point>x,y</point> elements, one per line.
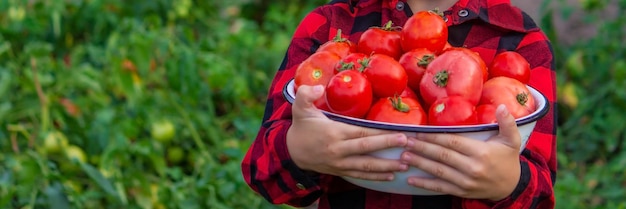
<point>401,138</point>
<point>502,110</point>
<point>406,156</point>
<point>403,167</point>
<point>410,181</point>
<point>318,88</point>
<point>410,143</point>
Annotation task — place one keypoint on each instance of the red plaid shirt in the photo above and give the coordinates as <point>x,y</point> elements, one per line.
<point>485,26</point>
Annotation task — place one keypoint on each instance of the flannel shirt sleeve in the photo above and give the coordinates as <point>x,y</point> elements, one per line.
<point>267,166</point>
<point>535,188</point>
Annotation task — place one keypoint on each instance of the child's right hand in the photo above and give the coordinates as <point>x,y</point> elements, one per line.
<point>319,144</point>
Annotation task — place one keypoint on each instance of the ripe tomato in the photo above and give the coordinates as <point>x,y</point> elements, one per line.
<point>510,64</point>
<point>401,110</point>
<point>415,63</point>
<point>387,76</point>
<point>349,93</point>
<point>478,58</point>
<point>338,45</point>
<point>453,73</point>
<point>446,47</point>
<point>486,113</point>
<point>316,70</point>
<point>381,40</point>
<point>408,92</point>
<point>350,62</point>
<point>425,29</point>
<point>510,92</point>
<point>451,111</point>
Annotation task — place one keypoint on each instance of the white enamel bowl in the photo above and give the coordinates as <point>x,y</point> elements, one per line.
<point>478,132</point>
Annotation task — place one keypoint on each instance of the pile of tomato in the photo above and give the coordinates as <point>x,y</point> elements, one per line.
<point>412,75</point>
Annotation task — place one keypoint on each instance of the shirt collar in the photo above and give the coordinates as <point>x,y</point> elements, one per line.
<point>499,13</point>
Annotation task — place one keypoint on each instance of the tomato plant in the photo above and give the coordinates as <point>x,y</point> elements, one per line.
<point>387,76</point>
<point>510,64</point>
<point>415,63</point>
<point>381,40</point>
<point>450,111</point>
<point>349,93</point>
<point>510,92</point>
<point>402,110</point>
<point>425,29</point>
<point>453,73</point>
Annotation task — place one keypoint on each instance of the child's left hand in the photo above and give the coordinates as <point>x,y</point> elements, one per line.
<point>466,167</point>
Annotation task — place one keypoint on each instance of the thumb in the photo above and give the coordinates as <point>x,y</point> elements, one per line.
<point>509,133</point>
<point>306,95</point>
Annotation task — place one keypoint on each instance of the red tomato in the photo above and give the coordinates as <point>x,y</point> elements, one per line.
<point>338,45</point>
<point>510,64</point>
<point>350,62</point>
<point>408,92</point>
<point>425,29</point>
<point>510,92</point>
<point>415,63</point>
<point>316,70</point>
<point>486,113</point>
<point>451,111</point>
<point>478,58</point>
<point>381,40</point>
<point>453,73</point>
<point>401,110</point>
<point>387,76</point>
<point>349,93</point>
<point>446,47</point>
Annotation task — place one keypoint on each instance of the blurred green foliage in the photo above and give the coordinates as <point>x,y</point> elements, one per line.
<point>592,109</point>
<point>157,102</point>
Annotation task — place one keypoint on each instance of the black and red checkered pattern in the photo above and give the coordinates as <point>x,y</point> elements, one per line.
<point>485,26</point>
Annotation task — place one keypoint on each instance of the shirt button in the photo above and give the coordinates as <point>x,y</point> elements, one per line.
<point>400,6</point>
<point>463,13</point>
<point>300,186</point>
<point>445,18</point>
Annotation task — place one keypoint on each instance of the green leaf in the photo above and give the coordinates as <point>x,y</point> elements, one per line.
<point>103,182</point>
<point>56,197</point>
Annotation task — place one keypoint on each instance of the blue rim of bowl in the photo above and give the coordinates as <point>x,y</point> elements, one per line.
<point>533,117</point>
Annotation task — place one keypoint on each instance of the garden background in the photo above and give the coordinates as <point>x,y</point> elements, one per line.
<point>157,101</point>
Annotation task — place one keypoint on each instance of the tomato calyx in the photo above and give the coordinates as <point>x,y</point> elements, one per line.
<point>389,27</point>
<point>397,104</point>
<point>437,12</point>
<point>338,38</point>
<point>425,60</point>
<point>441,78</point>
<point>345,66</point>
<point>522,98</point>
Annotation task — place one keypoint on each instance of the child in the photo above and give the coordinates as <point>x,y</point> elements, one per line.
<point>299,153</point>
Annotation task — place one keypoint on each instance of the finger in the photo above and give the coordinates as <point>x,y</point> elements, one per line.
<point>385,176</point>
<point>303,106</point>
<point>437,169</point>
<point>509,133</point>
<point>460,144</point>
<point>364,163</point>
<point>365,145</point>
<point>437,153</point>
<point>437,185</point>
